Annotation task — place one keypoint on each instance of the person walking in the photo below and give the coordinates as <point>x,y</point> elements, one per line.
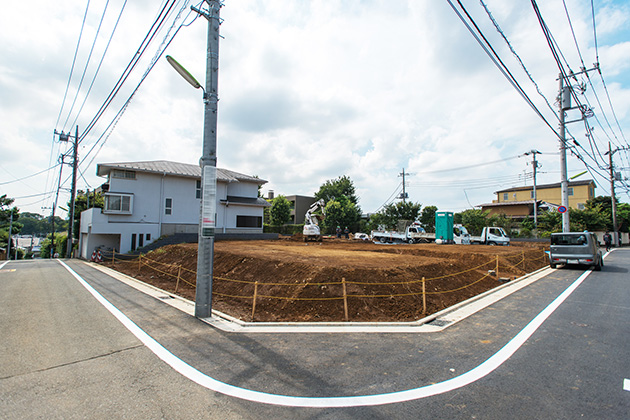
<point>607,240</point>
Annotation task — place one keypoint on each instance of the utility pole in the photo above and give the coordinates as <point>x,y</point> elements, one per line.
<point>403,196</point>
<point>75,165</point>
<point>610,154</point>
<point>564,103</point>
<point>208,163</point>
<point>9,241</point>
<point>535,167</point>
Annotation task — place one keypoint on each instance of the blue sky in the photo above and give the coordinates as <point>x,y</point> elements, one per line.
<point>310,91</point>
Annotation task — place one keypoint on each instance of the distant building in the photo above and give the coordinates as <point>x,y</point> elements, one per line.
<point>146,200</point>
<point>299,205</point>
<point>518,202</point>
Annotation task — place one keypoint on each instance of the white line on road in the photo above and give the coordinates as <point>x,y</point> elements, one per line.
<point>626,384</point>
<point>341,401</point>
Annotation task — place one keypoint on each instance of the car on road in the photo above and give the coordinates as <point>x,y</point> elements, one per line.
<point>575,248</point>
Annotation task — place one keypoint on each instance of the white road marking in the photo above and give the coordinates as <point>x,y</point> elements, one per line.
<point>340,401</point>
<point>3,264</point>
<point>626,384</point>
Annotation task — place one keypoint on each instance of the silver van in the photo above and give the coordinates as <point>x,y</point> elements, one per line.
<point>575,248</point>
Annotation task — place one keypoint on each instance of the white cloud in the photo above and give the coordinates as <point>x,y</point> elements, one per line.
<point>310,91</point>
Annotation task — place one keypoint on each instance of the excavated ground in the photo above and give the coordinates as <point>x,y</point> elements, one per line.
<point>305,282</point>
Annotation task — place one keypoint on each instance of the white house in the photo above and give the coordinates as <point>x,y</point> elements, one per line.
<point>145,200</point>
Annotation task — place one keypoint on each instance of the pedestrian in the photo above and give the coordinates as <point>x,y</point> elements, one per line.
<point>338,231</point>
<point>607,240</point>
<point>346,232</point>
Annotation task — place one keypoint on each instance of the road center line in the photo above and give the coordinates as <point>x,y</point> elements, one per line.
<point>341,401</point>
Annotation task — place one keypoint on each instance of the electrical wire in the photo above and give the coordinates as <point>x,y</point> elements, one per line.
<point>87,94</point>
<point>87,64</point>
<point>76,51</point>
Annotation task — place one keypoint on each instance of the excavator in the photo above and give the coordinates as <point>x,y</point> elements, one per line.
<point>311,229</point>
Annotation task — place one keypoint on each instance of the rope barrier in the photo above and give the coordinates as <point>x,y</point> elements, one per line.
<point>144,261</point>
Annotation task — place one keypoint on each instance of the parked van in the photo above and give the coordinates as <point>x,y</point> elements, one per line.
<point>575,248</point>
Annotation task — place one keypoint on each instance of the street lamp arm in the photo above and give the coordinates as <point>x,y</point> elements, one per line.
<point>184,73</point>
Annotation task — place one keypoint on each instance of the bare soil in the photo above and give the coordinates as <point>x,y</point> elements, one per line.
<point>295,281</point>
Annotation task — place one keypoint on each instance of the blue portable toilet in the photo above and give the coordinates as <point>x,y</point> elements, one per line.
<point>444,227</point>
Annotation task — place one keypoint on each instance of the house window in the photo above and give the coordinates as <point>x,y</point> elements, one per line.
<point>133,241</point>
<point>168,206</point>
<point>148,237</point>
<point>580,206</point>
<point>570,190</point>
<point>249,221</point>
<point>506,196</point>
<point>531,194</point>
<point>140,240</point>
<point>119,173</point>
<point>118,203</point>
<point>198,189</point>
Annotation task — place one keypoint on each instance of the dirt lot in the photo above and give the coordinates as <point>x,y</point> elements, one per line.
<point>305,282</point>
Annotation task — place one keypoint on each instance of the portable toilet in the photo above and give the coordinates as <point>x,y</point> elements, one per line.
<point>444,227</point>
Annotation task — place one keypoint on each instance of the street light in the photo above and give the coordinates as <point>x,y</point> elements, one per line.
<point>184,73</point>
<point>208,161</point>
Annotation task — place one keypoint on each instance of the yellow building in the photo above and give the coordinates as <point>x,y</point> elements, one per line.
<point>518,202</point>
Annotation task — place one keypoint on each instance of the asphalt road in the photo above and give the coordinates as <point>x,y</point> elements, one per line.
<point>64,355</point>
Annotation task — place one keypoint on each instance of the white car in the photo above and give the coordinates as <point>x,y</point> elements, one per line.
<point>362,236</point>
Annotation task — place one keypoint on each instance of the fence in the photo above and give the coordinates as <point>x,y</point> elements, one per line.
<point>491,269</point>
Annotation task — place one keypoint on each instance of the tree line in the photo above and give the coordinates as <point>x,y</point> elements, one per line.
<point>342,209</point>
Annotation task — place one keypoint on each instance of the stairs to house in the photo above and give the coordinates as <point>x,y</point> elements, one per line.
<point>177,238</point>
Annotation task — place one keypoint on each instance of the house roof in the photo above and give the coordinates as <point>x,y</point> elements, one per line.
<point>508,203</point>
<point>175,169</point>
<point>546,186</point>
<point>258,202</point>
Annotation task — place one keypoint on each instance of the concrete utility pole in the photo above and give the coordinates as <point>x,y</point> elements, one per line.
<point>9,241</point>
<point>565,103</point>
<point>404,194</point>
<point>208,163</point>
<point>610,154</point>
<point>73,195</point>
<point>75,165</point>
<point>535,167</point>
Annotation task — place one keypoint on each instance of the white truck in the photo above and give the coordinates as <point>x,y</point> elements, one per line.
<point>416,234</point>
<point>491,236</point>
<point>311,229</point>
<point>412,235</point>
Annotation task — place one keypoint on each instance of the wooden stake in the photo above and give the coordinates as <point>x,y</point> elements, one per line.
<point>345,298</point>
<point>497,269</point>
<point>424,297</point>
<point>140,262</point>
<point>254,299</point>
<point>179,275</point>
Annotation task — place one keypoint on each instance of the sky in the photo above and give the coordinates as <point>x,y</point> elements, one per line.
<point>313,90</point>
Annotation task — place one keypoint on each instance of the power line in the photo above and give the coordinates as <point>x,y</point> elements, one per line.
<point>76,51</point>
<point>87,64</point>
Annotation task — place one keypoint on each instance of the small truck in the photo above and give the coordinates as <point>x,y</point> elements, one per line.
<point>413,234</point>
<point>491,236</point>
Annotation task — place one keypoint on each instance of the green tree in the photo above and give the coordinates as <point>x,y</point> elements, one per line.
<point>340,187</point>
<point>427,218</point>
<point>8,220</point>
<point>95,199</point>
<point>474,220</point>
<point>393,213</point>
<point>623,217</point>
<point>61,241</point>
<point>343,213</point>
<point>280,211</point>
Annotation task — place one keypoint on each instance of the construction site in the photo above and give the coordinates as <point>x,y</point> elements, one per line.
<point>336,280</point>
